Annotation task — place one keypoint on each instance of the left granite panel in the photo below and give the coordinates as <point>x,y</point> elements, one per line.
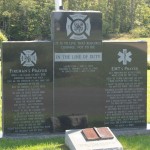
<point>27,74</point>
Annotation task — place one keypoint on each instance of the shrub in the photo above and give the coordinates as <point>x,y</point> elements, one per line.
<point>140,32</point>
<point>2,38</point>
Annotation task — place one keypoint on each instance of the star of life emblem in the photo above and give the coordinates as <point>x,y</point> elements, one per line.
<point>124,57</point>
<point>28,58</point>
<point>78,27</point>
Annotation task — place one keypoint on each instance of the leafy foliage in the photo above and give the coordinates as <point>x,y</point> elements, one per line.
<point>2,38</point>
<point>142,22</point>
<point>26,19</point>
<point>30,19</point>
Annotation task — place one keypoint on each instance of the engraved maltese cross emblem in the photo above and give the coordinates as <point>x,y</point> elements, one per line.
<point>78,26</point>
<point>28,58</point>
<point>125,56</point>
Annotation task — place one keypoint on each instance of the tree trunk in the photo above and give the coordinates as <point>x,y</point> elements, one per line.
<point>115,11</point>
<point>132,13</point>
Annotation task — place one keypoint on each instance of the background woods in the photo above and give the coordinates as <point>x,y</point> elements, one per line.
<point>25,19</point>
<point>30,19</point>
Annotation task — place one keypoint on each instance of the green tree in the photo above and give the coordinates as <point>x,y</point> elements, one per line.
<point>30,19</point>
<point>142,21</point>
<point>26,19</point>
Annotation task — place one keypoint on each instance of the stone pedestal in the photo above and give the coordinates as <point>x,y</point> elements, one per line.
<point>75,140</point>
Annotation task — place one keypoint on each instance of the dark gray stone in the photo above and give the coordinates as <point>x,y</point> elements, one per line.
<point>125,69</point>
<point>95,83</point>
<point>105,82</point>
<point>76,26</point>
<point>27,87</point>
<point>77,38</point>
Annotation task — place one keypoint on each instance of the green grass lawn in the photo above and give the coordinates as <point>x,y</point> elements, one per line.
<point>129,143</point>
<point>141,142</point>
<point>33,144</point>
<point>0,115</point>
<point>148,96</point>
<point>0,104</point>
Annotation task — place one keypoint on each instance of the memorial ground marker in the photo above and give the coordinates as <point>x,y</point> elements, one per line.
<point>92,139</point>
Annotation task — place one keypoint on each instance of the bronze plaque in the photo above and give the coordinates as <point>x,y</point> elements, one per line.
<point>90,134</point>
<point>104,133</point>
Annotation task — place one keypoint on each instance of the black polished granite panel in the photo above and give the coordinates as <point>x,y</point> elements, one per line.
<point>27,87</point>
<point>95,83</point>
<point>78,83</point>
<point>76,26</point>
<point>125,68</point>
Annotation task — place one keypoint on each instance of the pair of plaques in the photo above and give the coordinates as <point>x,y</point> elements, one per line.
<point>92,134</point>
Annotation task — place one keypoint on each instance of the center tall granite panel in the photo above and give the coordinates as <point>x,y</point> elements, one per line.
<point>78,82</point>
<point>27,87</point>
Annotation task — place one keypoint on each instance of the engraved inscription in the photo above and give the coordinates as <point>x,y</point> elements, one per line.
<point>28,90</point>
<point>124,107</point>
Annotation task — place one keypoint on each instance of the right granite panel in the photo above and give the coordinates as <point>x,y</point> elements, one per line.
<point>125,68</point>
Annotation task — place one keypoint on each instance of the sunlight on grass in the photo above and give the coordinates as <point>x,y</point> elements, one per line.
<point>33,144</point>
<point>0,101</point>
<point>0,115</point>
<point>135,142</point>
<point>148,96</point>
